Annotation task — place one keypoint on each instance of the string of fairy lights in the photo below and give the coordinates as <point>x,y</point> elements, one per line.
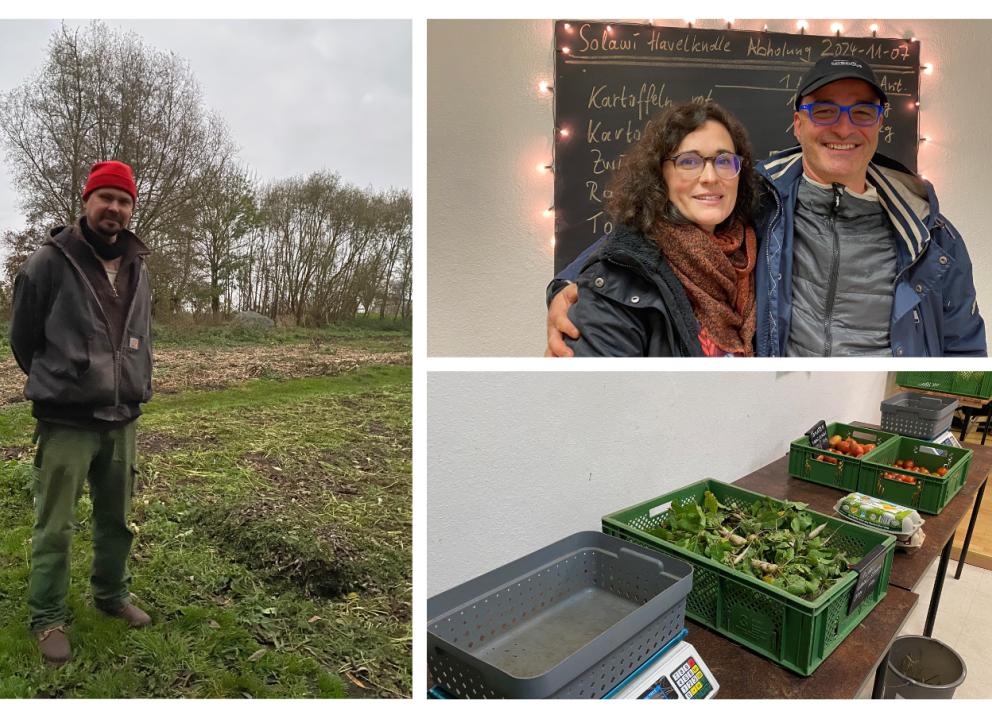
<point>836,28</point>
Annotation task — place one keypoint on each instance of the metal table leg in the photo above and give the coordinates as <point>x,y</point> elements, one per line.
<point>988,418</point>
<point>967,419</point>
<point>879,687</point>
<point>971,529</point>
<point>938,585</point>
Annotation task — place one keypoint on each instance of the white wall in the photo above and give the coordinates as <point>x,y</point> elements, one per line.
<point>488,246</point>
<point>518,460</point>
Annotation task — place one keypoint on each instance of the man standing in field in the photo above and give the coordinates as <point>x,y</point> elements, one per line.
<point>81,331</point>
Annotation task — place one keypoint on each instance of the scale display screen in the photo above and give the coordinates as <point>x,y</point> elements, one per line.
<point>662,688</point>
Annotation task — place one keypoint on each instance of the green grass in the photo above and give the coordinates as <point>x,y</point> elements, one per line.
<point>365,332</point>
<point>369,333</point>
<point>273,549</point>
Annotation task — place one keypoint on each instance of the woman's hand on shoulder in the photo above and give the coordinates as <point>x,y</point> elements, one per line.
<point>559,323</point>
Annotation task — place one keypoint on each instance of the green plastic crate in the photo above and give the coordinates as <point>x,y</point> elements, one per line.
<point>843,475</point>
<point>968,384</point>
<point>930,493</point>
<point>796,633</point>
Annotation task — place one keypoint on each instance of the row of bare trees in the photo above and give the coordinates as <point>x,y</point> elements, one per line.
<point>312,247</point>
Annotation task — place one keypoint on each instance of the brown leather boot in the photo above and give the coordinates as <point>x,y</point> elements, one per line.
<point>133,616</point>
<point>54,646</point>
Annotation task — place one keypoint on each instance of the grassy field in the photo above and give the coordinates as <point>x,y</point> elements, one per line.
<point>273,547</point>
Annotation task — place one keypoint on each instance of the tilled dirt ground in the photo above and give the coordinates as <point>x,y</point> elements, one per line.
<point>216,368</point>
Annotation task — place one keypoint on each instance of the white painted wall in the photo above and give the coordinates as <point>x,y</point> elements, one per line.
<point>518,460</point>
<point>488,246</point>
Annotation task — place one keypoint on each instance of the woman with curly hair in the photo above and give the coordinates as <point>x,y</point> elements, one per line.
<point>676,275</point>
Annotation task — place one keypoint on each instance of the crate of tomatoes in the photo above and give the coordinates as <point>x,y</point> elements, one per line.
<point>839,465</point>
<point>915,473</point>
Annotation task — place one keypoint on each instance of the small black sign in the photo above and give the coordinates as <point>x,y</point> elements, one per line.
<point>818,435</point>
<point>869,569</point>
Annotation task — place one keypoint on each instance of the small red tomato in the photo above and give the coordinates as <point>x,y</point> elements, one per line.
<point>909,464</point>
<point>942,471</point>
<point>835,439</point>
<point>899,463</point>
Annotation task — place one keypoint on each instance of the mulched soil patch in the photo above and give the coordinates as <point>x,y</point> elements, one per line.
<point>159,442</point>
<point>17,454</point>
<point>219,368</point>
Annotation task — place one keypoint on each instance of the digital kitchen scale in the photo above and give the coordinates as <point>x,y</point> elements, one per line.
<point>676,672</point>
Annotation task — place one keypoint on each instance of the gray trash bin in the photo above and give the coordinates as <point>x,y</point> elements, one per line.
<point>922,668</point>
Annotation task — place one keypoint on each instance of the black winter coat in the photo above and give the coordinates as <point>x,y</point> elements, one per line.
<point>631,303</point>
<point>62,340</point>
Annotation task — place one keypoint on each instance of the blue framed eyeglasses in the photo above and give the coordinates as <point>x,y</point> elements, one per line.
<point>691,164</point>
<point>863,115</point>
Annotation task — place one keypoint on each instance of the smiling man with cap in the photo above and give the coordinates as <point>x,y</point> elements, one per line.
<point>857,259</point>
<point>81,331</point>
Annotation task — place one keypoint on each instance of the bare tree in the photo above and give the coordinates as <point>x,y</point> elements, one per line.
<point>227,214</point>
<point>102,95</point>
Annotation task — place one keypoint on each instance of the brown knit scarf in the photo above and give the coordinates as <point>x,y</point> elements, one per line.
<point>717,272</point>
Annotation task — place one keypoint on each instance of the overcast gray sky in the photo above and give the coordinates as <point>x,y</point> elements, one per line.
<point>299,95</point>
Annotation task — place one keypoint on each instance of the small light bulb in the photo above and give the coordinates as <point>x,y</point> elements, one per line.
<point>543,86</point>
<point>609,29</point>
<point>730,22</point>
<point>837,27</point>
<point>913,39</point>
<point>552,241</point>
<point>765,28</point>
<point>927,68</point>
<point>564,132</point>
<point>567,26</point>
<point>917,104</point>
<point>802,25</point>
<point>926,139</point>
<point>922,176</point>
<point>565,50</point>
<point>689,22</point>
<point>542,167</point>
<point>873,28</point>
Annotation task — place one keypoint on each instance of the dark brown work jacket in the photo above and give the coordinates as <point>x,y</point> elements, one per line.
<point>86,346</point>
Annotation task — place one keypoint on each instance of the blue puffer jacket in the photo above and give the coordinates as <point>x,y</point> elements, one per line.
<point>935,311</point>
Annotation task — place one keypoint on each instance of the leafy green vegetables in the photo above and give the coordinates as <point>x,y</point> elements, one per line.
<point>773,541</point>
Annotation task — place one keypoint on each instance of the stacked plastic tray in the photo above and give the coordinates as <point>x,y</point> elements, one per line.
<point>912,414</point>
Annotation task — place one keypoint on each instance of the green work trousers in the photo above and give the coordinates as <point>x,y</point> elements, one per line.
<point>67,457</point>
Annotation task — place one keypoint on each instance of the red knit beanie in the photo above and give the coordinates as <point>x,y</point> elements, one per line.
<point>113,174</point>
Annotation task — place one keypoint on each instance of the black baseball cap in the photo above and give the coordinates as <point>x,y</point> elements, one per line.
<point>831,69</point>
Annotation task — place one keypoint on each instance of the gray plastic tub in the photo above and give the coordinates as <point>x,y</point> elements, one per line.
<point>571,620</point>
<point>912,414</point>
<point>922,668</point>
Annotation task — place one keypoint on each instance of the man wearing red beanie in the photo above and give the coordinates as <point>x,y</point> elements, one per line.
<point>81,331</point>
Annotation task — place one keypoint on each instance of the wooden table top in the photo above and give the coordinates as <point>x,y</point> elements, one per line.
<point>742,673</point>
<point>907,569</point>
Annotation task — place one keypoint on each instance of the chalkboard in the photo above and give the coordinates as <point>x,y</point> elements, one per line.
<point>818,435</point>
<point>869,569</point>
<point>611,82</point>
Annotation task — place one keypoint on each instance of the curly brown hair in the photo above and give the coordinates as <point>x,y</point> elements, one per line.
<point>639,195</point>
